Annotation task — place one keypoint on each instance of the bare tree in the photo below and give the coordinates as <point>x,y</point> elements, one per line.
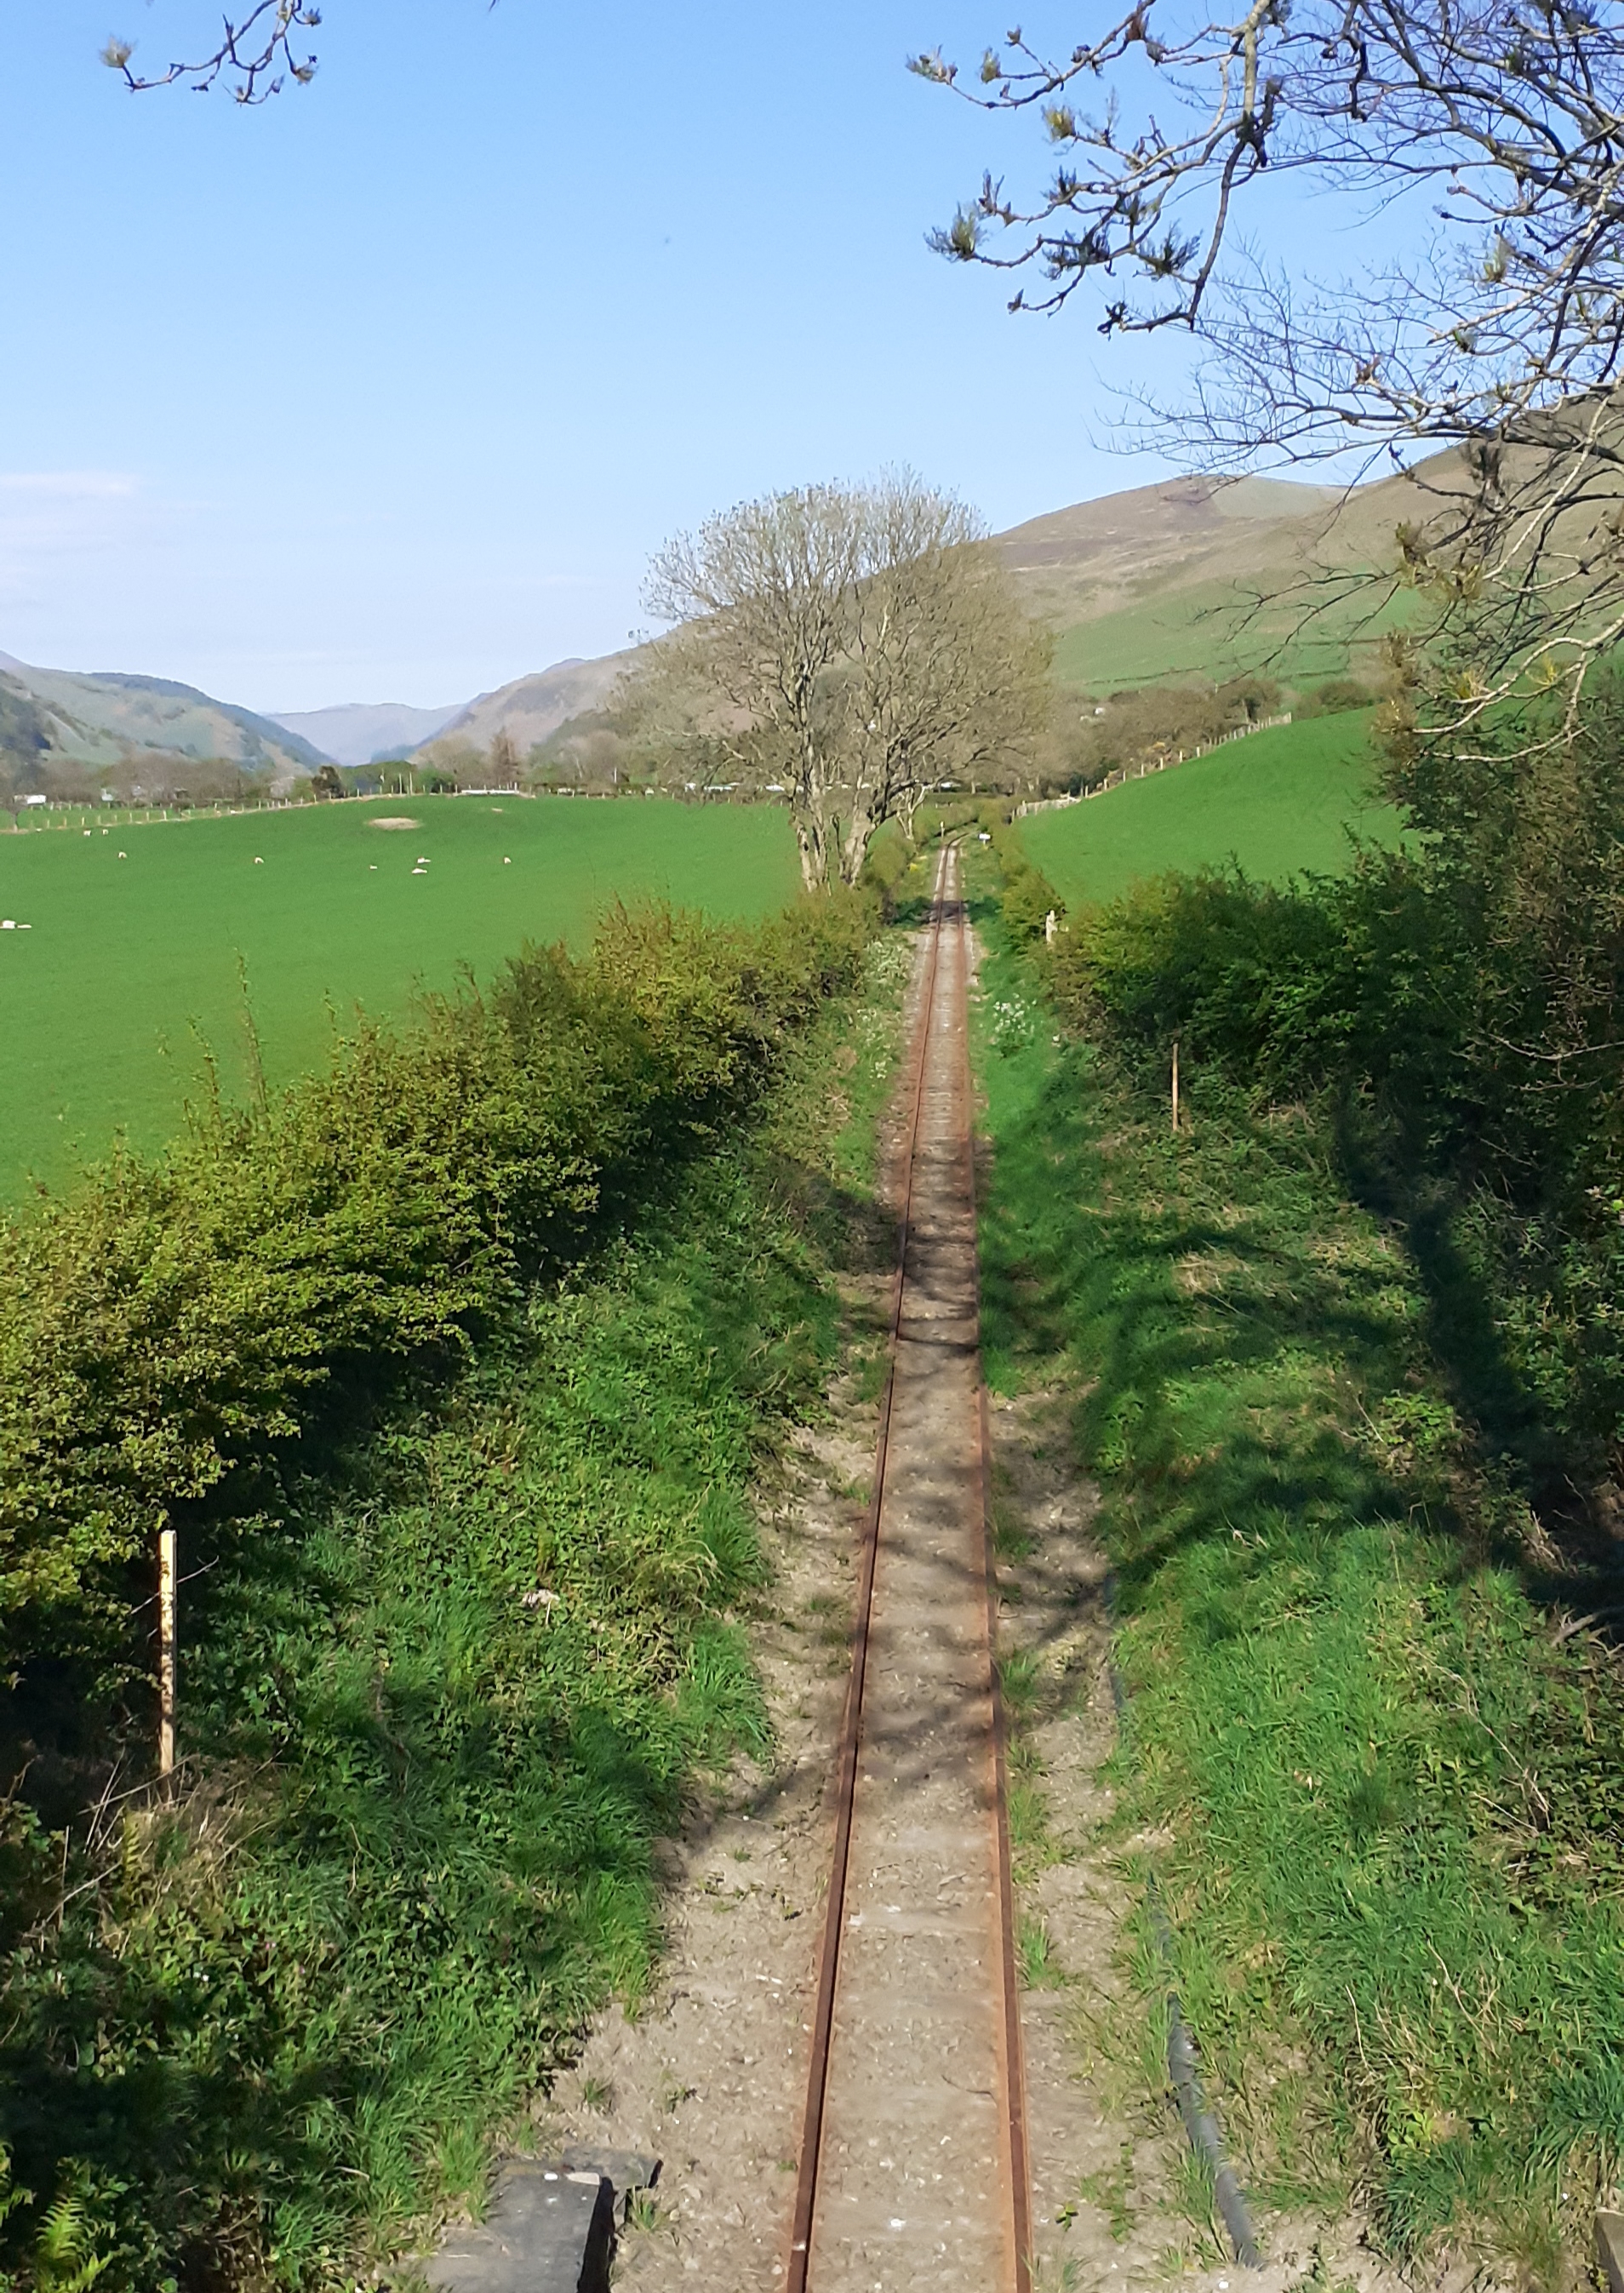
<point>257,54</point>
<point>848,646</point>
<point>1490,133</point>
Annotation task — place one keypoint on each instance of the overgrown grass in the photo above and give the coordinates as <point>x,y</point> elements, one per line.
<point>436,1705</point>
<point>1384,1784</point>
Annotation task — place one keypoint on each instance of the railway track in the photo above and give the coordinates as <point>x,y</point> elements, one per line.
<point>912,2169</point>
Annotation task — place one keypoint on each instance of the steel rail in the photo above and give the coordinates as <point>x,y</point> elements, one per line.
<point>1011,2073</point>
<point>851,1724</point>
<point>1011,2051</point>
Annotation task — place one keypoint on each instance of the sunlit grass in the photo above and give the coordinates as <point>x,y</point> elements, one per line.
<point>1279,802</point>
<point>141,939</point>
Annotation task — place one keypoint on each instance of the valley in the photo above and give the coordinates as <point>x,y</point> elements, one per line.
<point>590,1249</point>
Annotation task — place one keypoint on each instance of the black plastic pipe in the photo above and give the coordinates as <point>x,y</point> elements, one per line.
<point>1199,2124</point>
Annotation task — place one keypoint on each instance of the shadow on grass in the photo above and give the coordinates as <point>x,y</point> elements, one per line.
<point>1582,1565</point>
<point>1367,1753</point>
<point>443,1687</point>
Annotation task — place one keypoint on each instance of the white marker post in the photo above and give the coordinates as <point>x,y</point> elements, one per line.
<point>166,1651</point>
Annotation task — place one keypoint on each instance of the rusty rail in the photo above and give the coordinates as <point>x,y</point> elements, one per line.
<point>1012,2114</point>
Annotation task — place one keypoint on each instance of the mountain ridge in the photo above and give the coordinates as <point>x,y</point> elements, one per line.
<point>361,732</point>
<point>1155,564</point>
<point>107,720</point>
<point>530,708</point>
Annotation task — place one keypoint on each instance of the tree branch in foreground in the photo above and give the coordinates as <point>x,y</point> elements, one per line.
<point>1489,136</point>
<point>260,55</point>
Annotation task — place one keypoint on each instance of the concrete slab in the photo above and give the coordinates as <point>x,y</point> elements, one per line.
<point>548,2231</point>
<point>1610,2248</point>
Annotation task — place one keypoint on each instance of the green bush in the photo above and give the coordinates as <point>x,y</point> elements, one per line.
<point>172,1329</point>
<point>1028,897</point>
<point>1335,698</point>
<point>1460,1004</point>
<point>460,1454</point>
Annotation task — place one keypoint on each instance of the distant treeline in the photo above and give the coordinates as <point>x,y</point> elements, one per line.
<point>152,777</point>
<point>1093,739</point>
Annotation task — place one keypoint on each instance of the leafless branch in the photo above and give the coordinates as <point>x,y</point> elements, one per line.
<point>258,54</point>
<point>1500,339</point>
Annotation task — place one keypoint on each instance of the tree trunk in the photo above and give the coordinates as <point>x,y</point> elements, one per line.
<point>854,847</point>
<point>812,841</point>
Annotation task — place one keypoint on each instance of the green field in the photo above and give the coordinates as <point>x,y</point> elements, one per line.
<point>127,961</point>
<point>1277,802</point>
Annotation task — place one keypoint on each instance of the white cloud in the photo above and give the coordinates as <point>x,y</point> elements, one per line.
<point>66,485</point>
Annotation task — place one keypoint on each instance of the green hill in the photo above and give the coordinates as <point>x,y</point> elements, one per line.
<point>1205,631</point>
<point>1277,802</point>
<point>128,962</point>
<point>52,719</point>
<point>1199,577</point>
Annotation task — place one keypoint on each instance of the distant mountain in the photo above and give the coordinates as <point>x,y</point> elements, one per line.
<point>1203,577</point>
<point>1158,581</point>
<point>532,706</point>
<point>355,732</point>
<point>107,720</point>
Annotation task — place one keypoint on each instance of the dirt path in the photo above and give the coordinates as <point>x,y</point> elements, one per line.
<point>711,2075</point>
<point>914,2183</point>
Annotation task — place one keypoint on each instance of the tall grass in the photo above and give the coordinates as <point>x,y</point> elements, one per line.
<point>1384,1778</point>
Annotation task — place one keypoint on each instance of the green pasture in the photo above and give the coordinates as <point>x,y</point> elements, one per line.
<point>1209,631</point>
<point>1279,802</point>
<point>139,936</point>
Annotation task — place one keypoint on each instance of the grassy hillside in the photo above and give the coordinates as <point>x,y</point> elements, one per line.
<point>1207,630</point>
<point>127,960</point>
<point>1277,802</point>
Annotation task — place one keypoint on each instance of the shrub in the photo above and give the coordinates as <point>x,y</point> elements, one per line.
<point>451,1643</point>
<point>1335,698</point>
<point>1461,1000</point>
<point>1028,897</point>
<point>171,1330</point>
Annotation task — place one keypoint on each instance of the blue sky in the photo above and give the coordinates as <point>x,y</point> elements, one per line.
<point>388,389</point>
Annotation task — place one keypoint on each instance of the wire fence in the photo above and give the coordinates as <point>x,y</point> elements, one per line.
<point>1160,762</point>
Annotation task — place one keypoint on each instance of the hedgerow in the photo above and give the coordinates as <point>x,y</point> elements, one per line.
<point>170,1328</point>
<point>453,1366</point>
<point>1373,1747</point>
<point>1455,1011</point>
